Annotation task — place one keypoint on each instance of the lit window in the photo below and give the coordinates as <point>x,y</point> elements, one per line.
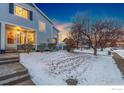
<point>19,11</point>
<point>31,37</point>
<point>22,38</point>
<point>42,26</point>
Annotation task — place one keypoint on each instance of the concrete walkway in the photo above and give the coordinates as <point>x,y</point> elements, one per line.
<point>119,61</point>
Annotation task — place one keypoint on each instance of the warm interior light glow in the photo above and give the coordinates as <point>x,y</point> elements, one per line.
<point>31,37</point>
<point>17,32</point>
<point>21,12</point>
<point>23,38</point>
<point>63,35</point>
<point>18,35</point>
<point>10,37</point>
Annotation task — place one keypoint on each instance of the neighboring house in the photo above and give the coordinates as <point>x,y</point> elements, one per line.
<point>22,23</point>
<point>63,35</point>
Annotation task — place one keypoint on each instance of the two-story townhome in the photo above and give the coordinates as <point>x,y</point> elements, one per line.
<point>24,23</point>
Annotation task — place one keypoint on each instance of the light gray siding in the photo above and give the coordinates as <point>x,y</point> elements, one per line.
<point>55,33</point>
<point>44,36</point>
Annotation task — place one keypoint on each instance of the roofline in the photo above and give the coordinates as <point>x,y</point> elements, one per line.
<point>56,29</point>
<point>42,13</point>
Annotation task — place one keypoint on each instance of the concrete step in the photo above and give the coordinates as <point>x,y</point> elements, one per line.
<point>13,74</point>
<point>14,51</point>
<point>8,58</point>
<point>11,68</point>
<point>26,82</point>
<point>15,80</point>
<point>9,61</point>
<point>11,51</point>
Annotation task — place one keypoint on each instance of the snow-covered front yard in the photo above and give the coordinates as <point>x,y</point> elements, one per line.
<point>54,68</point>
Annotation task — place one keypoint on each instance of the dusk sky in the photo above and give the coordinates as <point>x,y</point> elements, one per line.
<point>62,13</point>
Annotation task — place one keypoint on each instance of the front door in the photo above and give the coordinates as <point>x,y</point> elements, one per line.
<point>11,40</point>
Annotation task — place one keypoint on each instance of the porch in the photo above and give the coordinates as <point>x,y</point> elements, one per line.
<point>13,36</point>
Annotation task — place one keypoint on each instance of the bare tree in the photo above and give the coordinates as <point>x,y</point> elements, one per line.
<point>112,33</point>
<point>70,44</point>
<point>76,33</point>
<point>98,32</point>
<point>91,31</point>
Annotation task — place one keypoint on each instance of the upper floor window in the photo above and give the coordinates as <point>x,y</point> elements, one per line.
<point>19,11</point>
<point>42,26</point>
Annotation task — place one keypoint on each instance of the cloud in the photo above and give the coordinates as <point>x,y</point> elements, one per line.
<point>63,27</point>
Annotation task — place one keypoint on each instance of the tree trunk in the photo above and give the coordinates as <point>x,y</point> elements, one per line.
<point>81,48</point>
<point>101,49</point>
<point>95,51</point>
<point>77,45</point>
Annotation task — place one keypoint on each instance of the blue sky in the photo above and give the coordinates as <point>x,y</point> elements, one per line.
<point>63,12</point>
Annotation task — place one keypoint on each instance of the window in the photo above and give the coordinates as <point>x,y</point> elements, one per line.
<point>22,38</point>
<point>10,37</point>
<point>42,26</point>
<point>31,37</point>
<point>19,11</point>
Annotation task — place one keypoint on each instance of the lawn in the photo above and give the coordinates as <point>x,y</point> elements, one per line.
<point>54,68</point>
